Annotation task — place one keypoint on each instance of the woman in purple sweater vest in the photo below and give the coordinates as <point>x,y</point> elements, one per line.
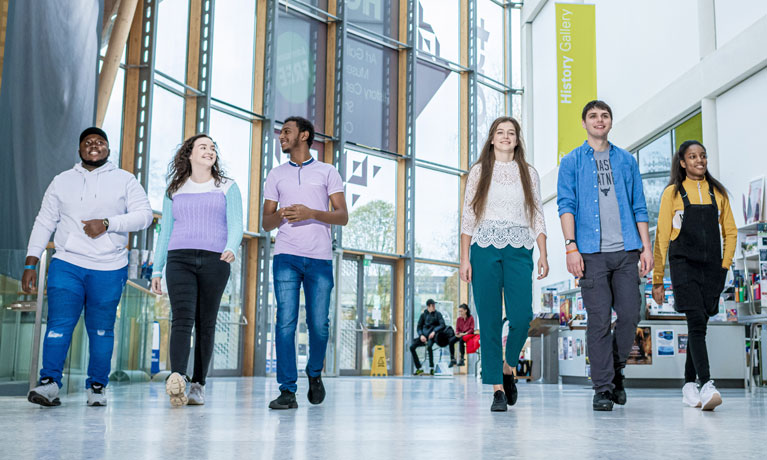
<point>201,231</point>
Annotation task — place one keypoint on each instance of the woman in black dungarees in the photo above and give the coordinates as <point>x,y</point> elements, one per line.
<point>693,207</point>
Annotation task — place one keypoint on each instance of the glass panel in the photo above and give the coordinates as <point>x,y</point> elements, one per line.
<point>491,104</point>
<point>490,40</point>
<point>377,312</point>
<point>232,136</point>
<point>233,46</point>
<point>172,31</point>
<point>114,118</point>
<point>348,327</point>
<point>438,28</point>
<point>516,48</point>
<point>166,137</point>
<point>226,347</point>
<point>440,283</point>
<point>653,189</point>
<point>301,62</point>
<point>516,106</point>
<point>437,215</point>
<point>371,194</point>
<point>437,115</point>
<point>380,16</point>
<point>656,157</point>
<point>370,95</point>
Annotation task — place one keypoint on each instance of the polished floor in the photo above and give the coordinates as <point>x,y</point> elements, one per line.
<point>383,418</point>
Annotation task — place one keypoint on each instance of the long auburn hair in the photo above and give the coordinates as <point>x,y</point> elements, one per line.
<point>180,168</point>
<point>678,173</point>
<point>487,162</point>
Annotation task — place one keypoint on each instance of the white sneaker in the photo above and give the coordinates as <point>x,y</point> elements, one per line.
<point>97,396</point>
<point>175,387</point>
<point>45,394</point>
<point>196,394</point>
<point>691,394</point>
<point>709,396</point>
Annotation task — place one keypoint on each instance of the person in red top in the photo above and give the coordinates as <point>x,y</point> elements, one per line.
<point>464,326</point>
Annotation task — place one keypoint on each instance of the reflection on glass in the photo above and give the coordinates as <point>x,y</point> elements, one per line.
<point>371,194</point>
<point>490,40</point>
<point>114,118</point>
<point>437,215</point>
<point>170,44</point>
<point>437,115</point>
<point>232,137</point>
<point>301,63</point>
<point>348,325</point>
<point>377,312</point>
<point>438,26</point>
<point>439,283</point>
<point>516,48</point>
<point>233,42</point>
<point>226,349</point>
<point>491,104</point>
<point>656,157</point>
<point>166,137</point>
<point>370,92</point>
<point>380,16</point>
<point>653,189</point>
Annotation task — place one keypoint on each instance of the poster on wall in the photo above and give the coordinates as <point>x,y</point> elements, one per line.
<point>560,348</point>
<point>641,350</point>
<point>753,207</point>
<point>576,71</point>
<point>665,343</point>
<point>682,343</point>
<point>571,348</point>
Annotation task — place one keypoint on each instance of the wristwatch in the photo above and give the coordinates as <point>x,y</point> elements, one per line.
<point>106,223</point>
<point>569,242</point>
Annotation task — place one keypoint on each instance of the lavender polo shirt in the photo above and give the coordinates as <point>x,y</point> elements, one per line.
<point>311,185</point>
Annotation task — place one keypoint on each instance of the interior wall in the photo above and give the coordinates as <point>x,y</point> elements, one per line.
<point>733,16</point>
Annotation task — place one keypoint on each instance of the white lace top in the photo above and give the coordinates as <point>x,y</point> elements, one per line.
<point>504,221</point>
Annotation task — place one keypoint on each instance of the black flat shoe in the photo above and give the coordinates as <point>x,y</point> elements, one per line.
<point>510,387</point>
<point>316,392</point>
<point>499,402</point>
<point>286,400</point>
<point>602,401</point>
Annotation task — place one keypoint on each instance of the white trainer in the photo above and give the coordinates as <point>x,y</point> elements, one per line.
<point>196,394</point>
<point>175,387</point>
<point>45,394</point>
<point>97,396</point>
<point>691,394</point>
<point>709,396</point>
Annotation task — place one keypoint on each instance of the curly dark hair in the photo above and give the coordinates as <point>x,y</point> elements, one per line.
<point>179,168</point>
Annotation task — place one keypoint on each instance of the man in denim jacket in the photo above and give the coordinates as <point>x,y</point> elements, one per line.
<point>604,221</point>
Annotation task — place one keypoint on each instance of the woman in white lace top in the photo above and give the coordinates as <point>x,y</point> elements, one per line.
<point>502,221</point>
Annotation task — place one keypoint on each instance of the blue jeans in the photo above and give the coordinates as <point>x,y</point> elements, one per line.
<point>317,277</point>
<point>69,289</point>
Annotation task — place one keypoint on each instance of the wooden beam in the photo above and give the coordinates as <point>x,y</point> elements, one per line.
<point>3,28</point>
<point>463,288</point>
<point>192,67</point>
<point>399,317</point>
<point>330,82</point>
<point>249,308</point>
<point>117,40</point>
<point>130,97</point>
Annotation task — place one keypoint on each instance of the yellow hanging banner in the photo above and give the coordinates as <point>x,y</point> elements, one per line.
<point>576,71</point>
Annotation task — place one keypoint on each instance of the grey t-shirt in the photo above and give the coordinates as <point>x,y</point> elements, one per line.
<point>609,214</point>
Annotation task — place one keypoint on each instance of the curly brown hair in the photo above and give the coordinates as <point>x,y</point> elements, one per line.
<point>180,168</point>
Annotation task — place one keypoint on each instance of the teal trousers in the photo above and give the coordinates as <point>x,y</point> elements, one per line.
<point>498,275</point>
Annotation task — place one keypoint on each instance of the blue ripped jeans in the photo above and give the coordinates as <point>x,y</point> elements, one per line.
<point>70,288</point>
<point>317,277</point>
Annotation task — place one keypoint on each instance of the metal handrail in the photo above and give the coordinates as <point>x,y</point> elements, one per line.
<point>41,278</point>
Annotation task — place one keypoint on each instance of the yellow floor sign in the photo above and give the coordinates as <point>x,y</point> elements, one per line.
<point>379,367</point>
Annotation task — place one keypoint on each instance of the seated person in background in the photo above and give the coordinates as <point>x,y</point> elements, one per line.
<point>429,324</point>
<point>464,325</point>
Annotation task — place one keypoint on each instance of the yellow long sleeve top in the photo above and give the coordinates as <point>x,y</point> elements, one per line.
<point>670,222</point>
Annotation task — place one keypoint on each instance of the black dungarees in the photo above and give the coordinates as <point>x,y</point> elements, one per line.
<point>695,257</point>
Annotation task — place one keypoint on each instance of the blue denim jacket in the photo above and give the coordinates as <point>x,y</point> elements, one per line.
<point>578,194</point>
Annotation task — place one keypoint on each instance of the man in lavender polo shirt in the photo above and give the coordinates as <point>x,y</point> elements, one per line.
<point>302,254</point>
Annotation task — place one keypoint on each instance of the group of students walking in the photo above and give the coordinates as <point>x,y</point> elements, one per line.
<point>92,208</point>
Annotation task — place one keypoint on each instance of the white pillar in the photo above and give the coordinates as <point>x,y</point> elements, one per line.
<point>527,84</point>
<point>706,27</point>
<point>710,134</point>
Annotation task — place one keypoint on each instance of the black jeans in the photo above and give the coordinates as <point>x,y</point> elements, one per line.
<point>610,282</point>
<point>196,280</point>
<point>697,353</point>
<point>417,343</point>
<point>461,346</point>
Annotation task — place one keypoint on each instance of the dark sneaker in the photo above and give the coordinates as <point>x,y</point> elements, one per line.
<point>418,372</point>
<point>452,363</point>
<point>499,402</point>
<point>602,401</point>
<point>510,387</point>
<point>45,394</point>
<point>461,362</point>
<point>286,400</point>
<point>316,392</point>
<point>619,393</point>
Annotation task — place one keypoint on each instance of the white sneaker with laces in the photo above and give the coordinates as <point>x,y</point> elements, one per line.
<point>175,387</point>
<point>97,396</point>
<point>45,394</point>
<point>196,394</point>
<point>709,396</point>
<point>691,394</point>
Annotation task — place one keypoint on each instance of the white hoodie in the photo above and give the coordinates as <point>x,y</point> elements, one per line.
<point>77,195</point>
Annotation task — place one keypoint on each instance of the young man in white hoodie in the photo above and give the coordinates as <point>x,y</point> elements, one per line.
<point>91,208</point>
